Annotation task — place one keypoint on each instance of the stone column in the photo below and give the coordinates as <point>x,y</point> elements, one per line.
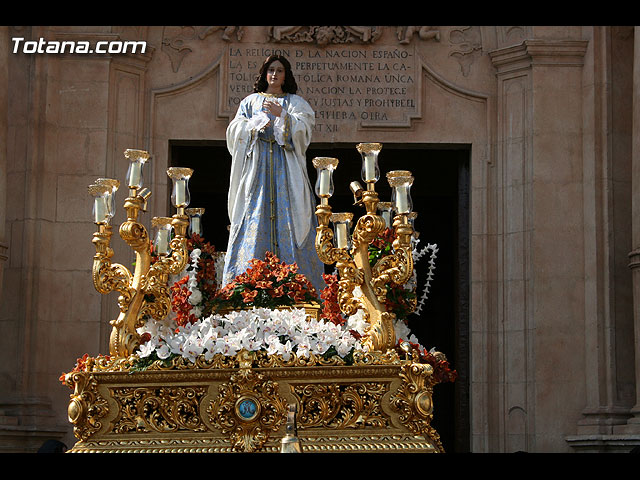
<point>539,193</point>
<point>606,86</point>
<point>633,424</point>
<point>4,88</point>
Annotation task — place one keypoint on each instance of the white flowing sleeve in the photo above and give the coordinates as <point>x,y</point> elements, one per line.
<point>297,129</point>
<point>258,122</point>
<point>240,141</point>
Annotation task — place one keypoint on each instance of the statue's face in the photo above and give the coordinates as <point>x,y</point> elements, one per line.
<point>275,76</point>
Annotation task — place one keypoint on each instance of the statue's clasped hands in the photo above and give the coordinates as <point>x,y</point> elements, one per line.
<point>261,120</point>
<point>274,108</point>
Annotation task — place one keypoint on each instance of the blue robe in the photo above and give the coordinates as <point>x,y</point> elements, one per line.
<point>271,204</point>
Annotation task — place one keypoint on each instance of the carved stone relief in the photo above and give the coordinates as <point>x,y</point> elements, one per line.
<point>324,35</point>
<point>510,35</point>
<point>406,33</point>
<point>467,46</point>
<point>178,42</point>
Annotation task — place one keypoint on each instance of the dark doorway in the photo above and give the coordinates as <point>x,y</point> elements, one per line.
<point>440,195</point>
<point>211,163</point>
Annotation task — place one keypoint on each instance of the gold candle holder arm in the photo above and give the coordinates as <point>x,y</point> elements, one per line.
<point>124,339</point>
<point>397,267</point>
<point>380,336</point>
<point>157,298</point>
<point>349,275</point>
<point>107,276</point>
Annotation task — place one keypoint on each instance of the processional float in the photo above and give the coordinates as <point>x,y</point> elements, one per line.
<point>377,396</point>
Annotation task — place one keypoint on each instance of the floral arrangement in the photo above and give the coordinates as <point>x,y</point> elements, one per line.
<point>267,283</point>
<point>442,371</point>
<point>282,332</point>
<point>211,320</point>
<point>208,320</point>
<point>193,294</point>
<point>329,296</point>
<point>84,363</point>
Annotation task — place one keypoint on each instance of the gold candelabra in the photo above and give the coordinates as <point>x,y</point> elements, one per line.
<point>145,292</point>
<point>201,406</point>
<point>351,255</point>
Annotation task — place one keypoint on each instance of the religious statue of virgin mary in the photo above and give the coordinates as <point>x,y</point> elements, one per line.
<point>270,201</point>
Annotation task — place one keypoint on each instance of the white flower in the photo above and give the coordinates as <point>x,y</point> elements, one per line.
<point>286,351</point>
<point>195,298</point>
<point>343,347</point>
<point>147,349</point>
<point>278,332</point>
<point>358,323</point>
<point>163,351</point>
<point>403,332</point>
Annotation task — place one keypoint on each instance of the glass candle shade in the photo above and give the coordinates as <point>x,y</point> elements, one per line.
<point>401,181</point>
<point>324,181</point>
<point>386,212</point>
<point>162,238</point>
<point>180,196</point>
<point>195,220</point>
<point>113,186</point>
<point>341,227</point>
<point>100,194</point>
<point>356,189</point>
<point>369,153</point>
<point>137,160</point>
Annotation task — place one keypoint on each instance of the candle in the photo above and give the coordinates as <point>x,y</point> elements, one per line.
<point>180,187</point>
<point>195,220</point>
<point>137,159</point>
<point>195,225</point>
<point>369,153</point>
<point>369,168</point>
<point>180,176</point>
<point>386,215</point>
<point>110,199</point>
<point>162,242</point>
<point>402,201</point>
<point>162,239</point>
<point>325,181</point>
<point>100,209</point>
<point>385,212</point>
<point>324,167</point>
<point>401,181</point>
<point>134,176</point>
<point>341,222</point>
<point>341,235</point>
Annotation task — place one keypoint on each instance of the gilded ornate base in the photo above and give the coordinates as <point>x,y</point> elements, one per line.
<point>374,443</point>
<point>359,408</point>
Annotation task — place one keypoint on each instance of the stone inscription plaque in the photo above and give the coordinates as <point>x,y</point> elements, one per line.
<point>350,87</point>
